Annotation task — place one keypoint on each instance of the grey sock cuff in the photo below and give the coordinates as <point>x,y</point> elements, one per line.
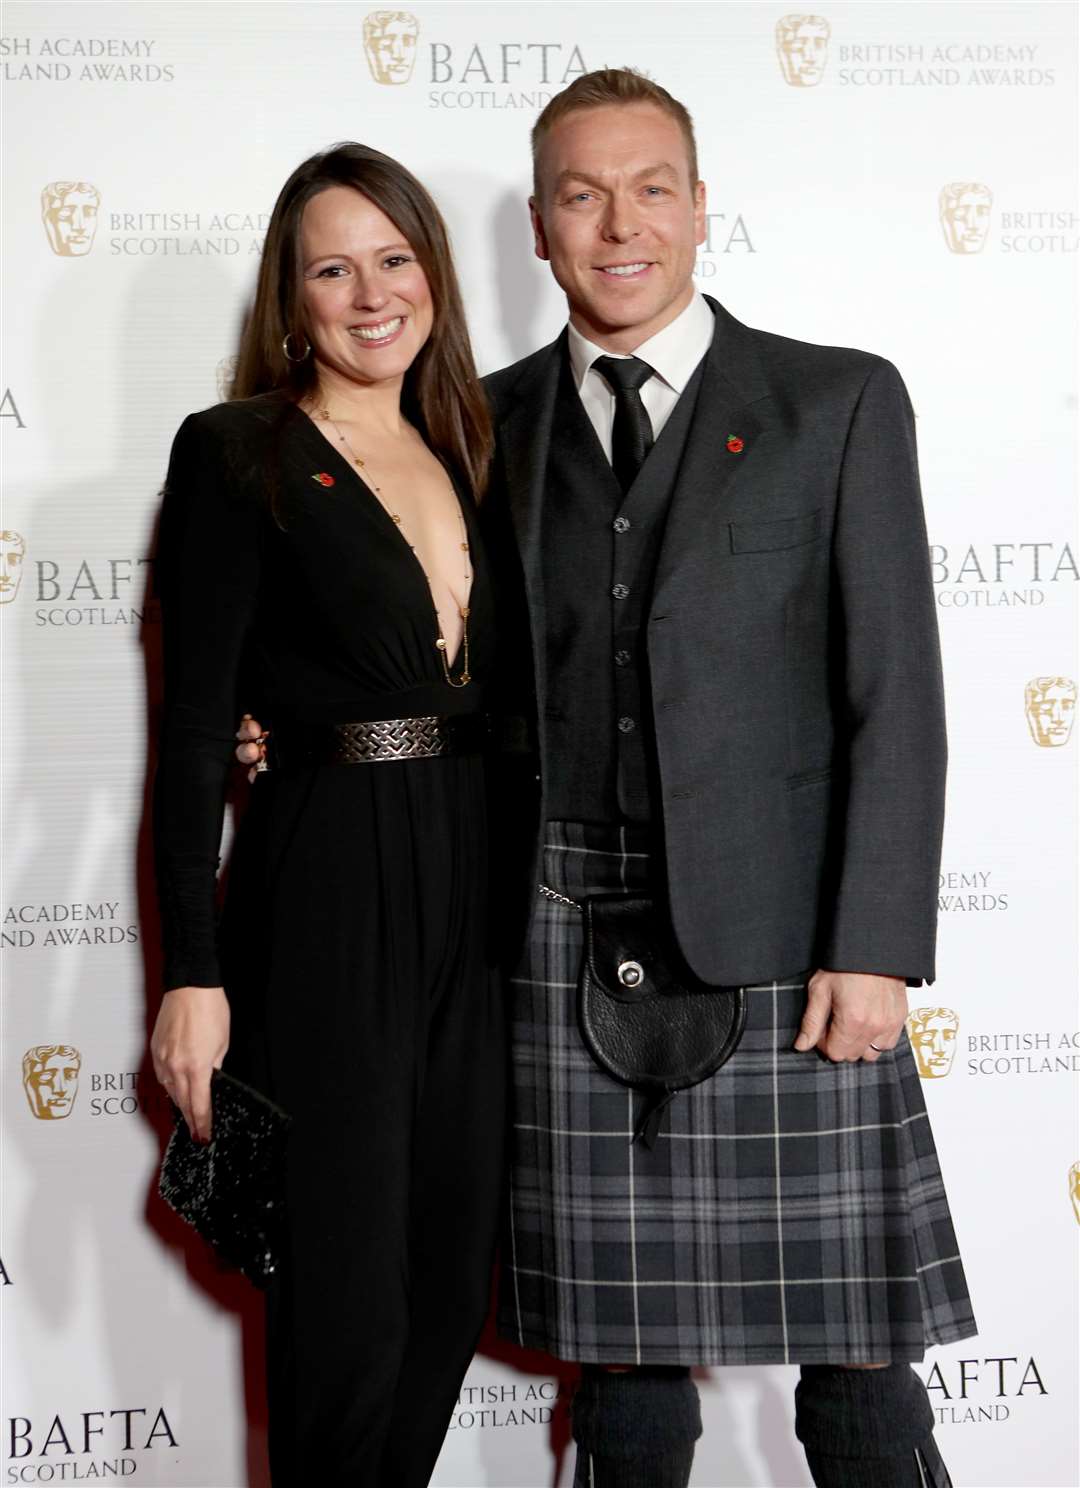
<point>862,1412</point>
<point>638,1413</point>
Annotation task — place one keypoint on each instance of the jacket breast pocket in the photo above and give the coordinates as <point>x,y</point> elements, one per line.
<point>771,536</point>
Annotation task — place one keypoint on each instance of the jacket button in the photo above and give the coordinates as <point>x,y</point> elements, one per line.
<point>622,658</point>
<point>627,725</point>
<point>619,591</point>
<point>621,524</point>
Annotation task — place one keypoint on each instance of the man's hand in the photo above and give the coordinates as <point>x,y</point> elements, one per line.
<point>252,747</point>
<point>850,1015</point>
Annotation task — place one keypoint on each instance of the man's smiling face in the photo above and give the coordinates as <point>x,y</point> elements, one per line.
<point>619,219</point>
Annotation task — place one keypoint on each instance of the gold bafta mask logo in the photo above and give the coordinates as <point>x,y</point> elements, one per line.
<point>224,377</point>
<point>390,38</point>
<point>1074,1189</point>
<point>802,45</point>
<point>1049,705</point>
<point>932,1031</point>
<point>964,213</point>
<point>12,553</point>
<point>51,1080</point>
<point>69,210</point>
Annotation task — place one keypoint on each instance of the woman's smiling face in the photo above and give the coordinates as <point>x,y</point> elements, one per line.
<point>367,303</point>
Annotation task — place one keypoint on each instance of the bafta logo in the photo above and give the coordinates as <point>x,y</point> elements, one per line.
<point>12,553</point>
<point>932,1031</point>
<point>1074,1189</point>
<point>1049,705</point>
<point>69,210</point>
<point>390,38</point>
<point>964,213</point>
<point>224,377</point>
<point>802,45</point>
<point>51,1080</point>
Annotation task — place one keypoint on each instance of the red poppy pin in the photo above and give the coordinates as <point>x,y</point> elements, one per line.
<point>735,444</point>
<point>323,478</point>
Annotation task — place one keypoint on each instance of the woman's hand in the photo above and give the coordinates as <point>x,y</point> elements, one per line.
<point>252,747</point>
<point>189,1042</point>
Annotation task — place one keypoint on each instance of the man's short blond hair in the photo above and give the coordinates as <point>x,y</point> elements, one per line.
<point>601,89</point>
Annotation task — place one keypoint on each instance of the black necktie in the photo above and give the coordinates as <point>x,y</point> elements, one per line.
<point>631,433</point>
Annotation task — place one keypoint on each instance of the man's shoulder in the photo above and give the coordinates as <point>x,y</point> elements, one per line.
<point>786,360</point>
<point>503,386</point>
<point>799,365</point>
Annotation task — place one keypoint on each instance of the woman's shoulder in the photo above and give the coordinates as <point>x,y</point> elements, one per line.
<point>241,418</point>
<point>229,447</point>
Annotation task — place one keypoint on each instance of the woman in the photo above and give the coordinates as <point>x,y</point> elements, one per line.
<point>319,563</point>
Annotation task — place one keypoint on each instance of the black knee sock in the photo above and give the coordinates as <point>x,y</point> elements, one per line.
<point>867,1428</point>
<point>635,1428</point>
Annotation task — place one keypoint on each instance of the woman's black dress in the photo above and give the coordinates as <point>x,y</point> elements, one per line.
<point>353,946</point>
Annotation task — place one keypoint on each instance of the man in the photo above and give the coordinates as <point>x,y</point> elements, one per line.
<point>738,708</point>
<point>718,624</point>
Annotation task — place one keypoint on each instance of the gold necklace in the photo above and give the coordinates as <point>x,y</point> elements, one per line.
<point>464,677</point>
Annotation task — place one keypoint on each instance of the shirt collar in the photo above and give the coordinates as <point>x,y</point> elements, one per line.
<point>672,353</point>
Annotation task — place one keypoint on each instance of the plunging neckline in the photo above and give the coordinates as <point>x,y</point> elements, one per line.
<point>396,526</point>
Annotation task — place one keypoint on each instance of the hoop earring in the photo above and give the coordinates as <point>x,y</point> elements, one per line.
<point>288,354</point>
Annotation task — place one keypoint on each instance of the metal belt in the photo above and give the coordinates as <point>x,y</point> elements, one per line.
<point>382,739</point>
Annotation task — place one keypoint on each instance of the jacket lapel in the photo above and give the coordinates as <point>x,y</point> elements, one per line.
<point>732,380</point>
<point>524,435</point>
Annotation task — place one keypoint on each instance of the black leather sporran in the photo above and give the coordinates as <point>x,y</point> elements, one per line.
<point>647,1023</point>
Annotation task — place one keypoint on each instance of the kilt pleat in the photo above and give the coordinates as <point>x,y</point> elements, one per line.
<point>791,1211</point>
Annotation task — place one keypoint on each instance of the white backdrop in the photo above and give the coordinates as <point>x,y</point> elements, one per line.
<point>163,133</point>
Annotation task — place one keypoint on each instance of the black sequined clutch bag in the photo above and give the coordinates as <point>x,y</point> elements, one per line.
<point>232,1188</point>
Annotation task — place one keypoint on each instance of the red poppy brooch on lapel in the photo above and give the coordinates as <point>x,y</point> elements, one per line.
<point>735,444</point>
<point>323,478</point>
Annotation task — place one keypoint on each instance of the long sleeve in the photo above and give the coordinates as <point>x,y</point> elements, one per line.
<point>208,575</point>
<point>885,911</point>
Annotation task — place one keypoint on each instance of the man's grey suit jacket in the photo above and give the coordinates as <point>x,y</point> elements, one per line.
<point>793,657</point>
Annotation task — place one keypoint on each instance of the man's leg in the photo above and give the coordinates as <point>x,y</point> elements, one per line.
<point>635,1428</point>
<point>868,1427</point>
<point>862,1428</point>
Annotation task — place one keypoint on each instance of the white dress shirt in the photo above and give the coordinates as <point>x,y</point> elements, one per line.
<point>672,353</point>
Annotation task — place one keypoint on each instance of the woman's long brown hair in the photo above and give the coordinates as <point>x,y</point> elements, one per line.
<point>442,393</point>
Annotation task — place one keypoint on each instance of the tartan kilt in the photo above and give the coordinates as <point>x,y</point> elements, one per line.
<point>791,1211</point>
